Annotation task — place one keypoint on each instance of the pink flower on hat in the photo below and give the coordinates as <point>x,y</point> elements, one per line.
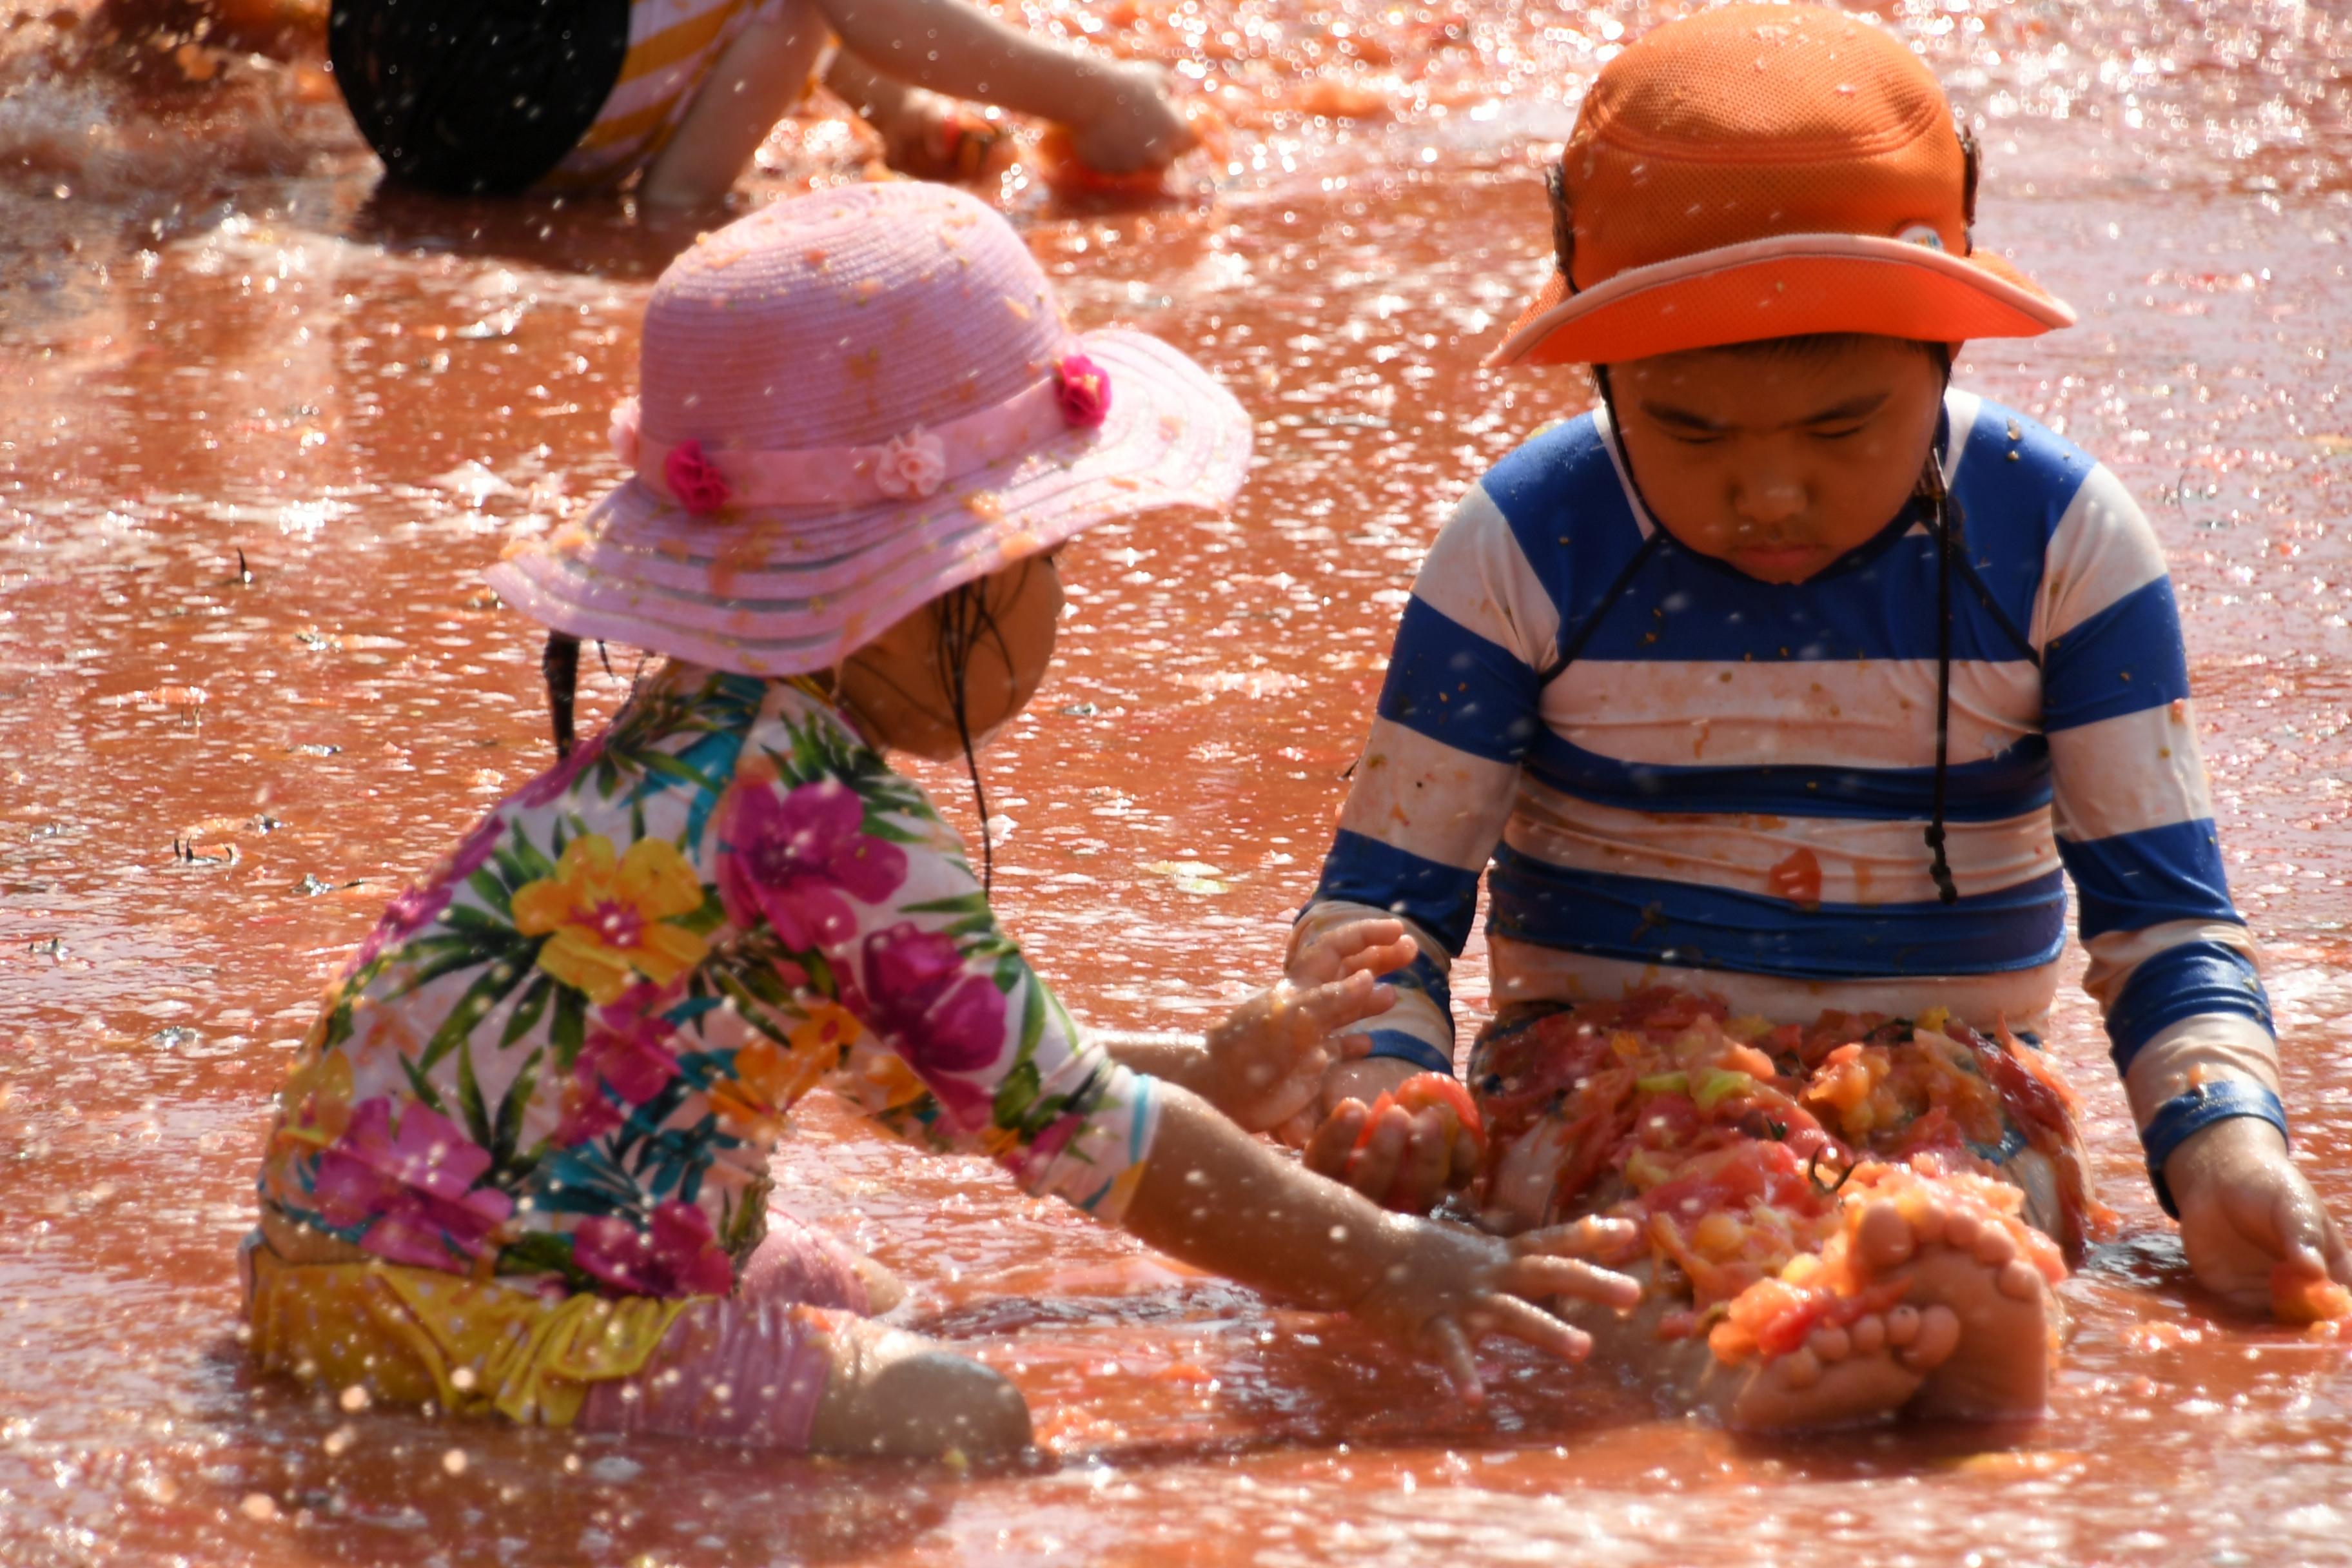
<point>1083,391</point>
<point>911,466</point>
<point>695,480</point>
<point>623,432</point>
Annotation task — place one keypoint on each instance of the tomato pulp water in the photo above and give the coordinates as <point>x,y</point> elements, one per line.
<point>269,423</point>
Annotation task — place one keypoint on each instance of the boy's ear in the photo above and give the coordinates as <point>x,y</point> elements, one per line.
<point>1563,223</point>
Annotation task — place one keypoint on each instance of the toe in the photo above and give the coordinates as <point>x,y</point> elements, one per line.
<point>1960,1231</point>
<point>1939,1336</point>
<point>1927,1225</point>
<point>1800,1368</point>
<point>1869,1334</point>
<point>1830,1343</point>
<point>1994,1245</point>
<point>1885,1236</point>
<point>1902,1326</point>
<point>2019,1280</point>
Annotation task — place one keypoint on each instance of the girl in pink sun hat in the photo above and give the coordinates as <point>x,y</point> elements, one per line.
<point>522,1166</point>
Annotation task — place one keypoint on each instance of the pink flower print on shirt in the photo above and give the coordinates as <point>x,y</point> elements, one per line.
<point>790,858</point>
<point>549,786</point>
<point>695,480</point>
<point>1083,391</point>
<point>625,1061</point>
<point>922,1001</point>
<point>911,466</point>
<point>677,1254</point>
<point>412,1187</point>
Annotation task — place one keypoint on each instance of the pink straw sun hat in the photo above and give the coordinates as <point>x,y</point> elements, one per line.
<point>852,403</point>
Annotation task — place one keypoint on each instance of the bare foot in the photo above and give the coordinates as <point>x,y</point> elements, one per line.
<point>1866,1370</point>
<point>1999,1369</point>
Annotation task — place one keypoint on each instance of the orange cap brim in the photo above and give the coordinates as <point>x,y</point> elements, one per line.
<point>1788,285</point>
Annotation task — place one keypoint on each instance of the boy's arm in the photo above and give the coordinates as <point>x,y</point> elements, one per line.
<point>2172,965</point>
<point>1430,797</point>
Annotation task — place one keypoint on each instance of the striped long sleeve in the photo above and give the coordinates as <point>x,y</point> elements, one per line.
<point>1726,786</point>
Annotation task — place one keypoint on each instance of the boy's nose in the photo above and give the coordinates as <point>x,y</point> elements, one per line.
<point>1763,500</point>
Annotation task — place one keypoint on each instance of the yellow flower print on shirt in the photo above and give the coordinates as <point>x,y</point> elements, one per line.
<point>605,919</point>
<point>770,1076</point>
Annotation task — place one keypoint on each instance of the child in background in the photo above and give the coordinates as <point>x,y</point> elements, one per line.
<point>463,96</point>
<point>1792,677</point>
<point>522,1166</point>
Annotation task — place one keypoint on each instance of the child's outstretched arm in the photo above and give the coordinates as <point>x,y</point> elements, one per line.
<point>2173,964</point>
<point>1215,1197</point>
<point>1120,112</point>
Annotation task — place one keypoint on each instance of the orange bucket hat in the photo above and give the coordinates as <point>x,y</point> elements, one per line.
<point>1767,172</point>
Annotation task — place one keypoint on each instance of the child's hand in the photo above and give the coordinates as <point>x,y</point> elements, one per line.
<point>1268,1058</point>
<point>1136,126</point>
<point>1410,1160</point>
<point>1454,1284</point>
<point>2245,1211</point>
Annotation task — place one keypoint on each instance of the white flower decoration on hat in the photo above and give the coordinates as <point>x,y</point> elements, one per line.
<point>911,466</point>
<point>623,432</point>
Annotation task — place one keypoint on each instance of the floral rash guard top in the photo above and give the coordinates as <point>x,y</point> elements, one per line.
<point>570,1052</point>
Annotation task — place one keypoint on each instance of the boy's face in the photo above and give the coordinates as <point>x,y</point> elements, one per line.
<point>1777,464</point>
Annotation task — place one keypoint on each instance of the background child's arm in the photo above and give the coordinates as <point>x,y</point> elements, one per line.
<point>1215,1197</point>
<point>1120,112</point>
<point>2173,964</point>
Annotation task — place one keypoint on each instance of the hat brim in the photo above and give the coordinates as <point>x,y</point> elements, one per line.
<point>788,592</point>
<point>1787,286</point>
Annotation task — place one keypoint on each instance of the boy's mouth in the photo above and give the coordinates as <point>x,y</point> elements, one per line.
<point>1778,562</point>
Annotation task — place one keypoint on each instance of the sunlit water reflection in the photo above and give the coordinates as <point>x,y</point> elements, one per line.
<point>220,340</point>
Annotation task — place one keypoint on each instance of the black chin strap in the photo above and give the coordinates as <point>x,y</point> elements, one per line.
<point>1947,529</point>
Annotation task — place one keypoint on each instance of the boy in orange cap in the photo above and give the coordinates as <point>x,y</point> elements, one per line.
<point>1795,679</point>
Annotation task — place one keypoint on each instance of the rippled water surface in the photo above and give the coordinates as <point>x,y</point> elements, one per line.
<point>262,427</point>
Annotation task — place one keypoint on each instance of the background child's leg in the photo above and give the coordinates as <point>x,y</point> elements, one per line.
<point>802,1379</point>
<point>756,81</point>
<point>796,1262</point>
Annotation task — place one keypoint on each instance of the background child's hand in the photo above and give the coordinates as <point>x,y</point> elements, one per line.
<point>1454,1284</point>
<point>1136,126</point>
<point>2245,1210</point>
<point>1268,1058</point>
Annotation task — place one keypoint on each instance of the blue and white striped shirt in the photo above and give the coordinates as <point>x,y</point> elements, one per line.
<point>1726,789</point>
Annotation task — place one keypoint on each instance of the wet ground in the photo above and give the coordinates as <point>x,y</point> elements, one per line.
<point>263,427</point>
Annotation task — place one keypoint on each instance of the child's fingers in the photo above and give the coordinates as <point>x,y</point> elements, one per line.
<point>1332,1007</point>
<point>1372,1169</point>
<point>2301,1226</point>
<point>1453,1347</point>
<point>1525,1322</point>
<point>1540,1274</point>
<point>1351,1047</point>
<point>1428,1157</point>
<point>1390,954</point>
<point>1328,1149</point>
<point>1579,1238</point>
<point>1370,945</point>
